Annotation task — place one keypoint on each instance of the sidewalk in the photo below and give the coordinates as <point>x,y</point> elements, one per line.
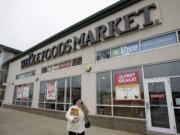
<point>14,122</point>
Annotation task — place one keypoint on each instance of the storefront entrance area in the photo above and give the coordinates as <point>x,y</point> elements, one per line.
<point>162,102</point>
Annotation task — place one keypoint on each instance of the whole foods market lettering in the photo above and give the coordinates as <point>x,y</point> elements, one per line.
<point>113,28</point>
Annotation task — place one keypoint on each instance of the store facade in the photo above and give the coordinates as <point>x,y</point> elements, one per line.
<point>123,61</point>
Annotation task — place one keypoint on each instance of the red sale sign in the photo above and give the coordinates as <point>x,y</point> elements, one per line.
<point>127,86</point>
<point>127,78</point>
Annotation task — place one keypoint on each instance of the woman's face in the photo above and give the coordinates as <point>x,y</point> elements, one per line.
<point>78,103</point>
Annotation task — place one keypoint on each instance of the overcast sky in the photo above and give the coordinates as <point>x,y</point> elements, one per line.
<point>25,23</point>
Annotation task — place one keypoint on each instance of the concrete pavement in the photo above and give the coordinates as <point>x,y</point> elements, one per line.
<point>14,122</point>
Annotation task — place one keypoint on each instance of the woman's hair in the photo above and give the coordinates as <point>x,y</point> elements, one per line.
<point>75,100</point>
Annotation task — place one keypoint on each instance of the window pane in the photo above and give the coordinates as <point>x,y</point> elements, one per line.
<point>129,49</point>
<point>29,104</point>
<point>42,91</point>
<point>104,88</point>
<point>65,64</point>
<point>160,41</point>
<point>23,94</point>
<point>127,87</point>
<point>55,66</point>
<point>18,102</point>
<point>103,55</point>
<point>104,110</point>
<point>60,107</point>
<point>24,103</point>
<point>67,107</point>
<point>157,93</point>
<point>116,52</point>
<point>44,70</point>
<point>76,87</point>
<point>49,68</point>
<point>41,105</point>
<point>177,117</point>
<point>162,70</point>
<point>159,116</point>
<point>50,106</point>
<point>129,112</point>
<point>30,92</point>
<point>68,91</point>
<point>77,61</point>
<point>175,88</point>
<point>61,90</point>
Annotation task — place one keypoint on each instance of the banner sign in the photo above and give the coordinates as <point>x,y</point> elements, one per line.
<point>19,92</point>
<point>51,91</point>
<point>127,86</point>
<point>25,92</point>
<point>22,92</point>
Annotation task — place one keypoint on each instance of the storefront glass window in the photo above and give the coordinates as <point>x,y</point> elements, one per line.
<point>129,112</point>
<point>175,88</point>
<point>103,55</point>
<point>160,41</point>
<point>139,46</point>
<point>23,95</point>
<point>127,98</point>
<point>104,110</point>
<point>57,94</point>
<point>125,50</point>
<point>127,87</point>
<point>179,35</point>
<point>77,61</point>
<point>42,92</point>
<point>62,65</point>
<point>65,64</point>
<point>68,89</point>
<point>76,87</point>
<point>162,70</point>
<point>50,91</point>
<point>50,94</point>
<point>61,91</point>
<point>104,88</point>
<point>44,70</point>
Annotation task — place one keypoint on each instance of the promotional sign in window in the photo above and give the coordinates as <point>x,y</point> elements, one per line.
<point>51,90</point>
<point>19,92</point>
<point>129,49</point>
<point>25,92</point>
<point>127,86</point>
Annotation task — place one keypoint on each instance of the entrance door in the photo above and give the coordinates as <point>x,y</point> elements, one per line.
<point>158,100</point>
<point>175,89</point>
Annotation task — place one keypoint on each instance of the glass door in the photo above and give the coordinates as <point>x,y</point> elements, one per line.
<point>158,102</point>
<point>175,89</point>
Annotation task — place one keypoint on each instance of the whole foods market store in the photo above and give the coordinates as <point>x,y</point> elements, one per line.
<point>123,62</point>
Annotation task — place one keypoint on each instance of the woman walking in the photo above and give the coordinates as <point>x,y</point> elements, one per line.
<point>75,117</point>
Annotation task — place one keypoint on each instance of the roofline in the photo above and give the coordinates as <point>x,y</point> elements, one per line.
<point>10,49</point>
<point>85,22</point>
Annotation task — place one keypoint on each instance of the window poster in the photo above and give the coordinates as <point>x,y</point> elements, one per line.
<point>127,86</point>
<point>51,90</point>
<point>25,92</point>
<point>19,92</point>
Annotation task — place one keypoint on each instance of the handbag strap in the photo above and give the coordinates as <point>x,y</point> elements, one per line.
<point>86,117</point>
